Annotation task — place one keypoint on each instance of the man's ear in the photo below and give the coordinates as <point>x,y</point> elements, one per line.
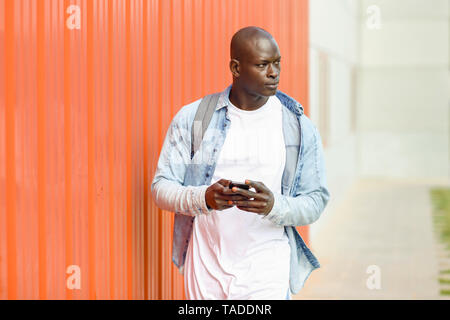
<point>234,67</point>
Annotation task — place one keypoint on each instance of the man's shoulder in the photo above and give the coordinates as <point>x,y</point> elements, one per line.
<point>289,102</point>
<point>191,107</point>
<point>307,122</point>
<point>307,125</point>
<point>310,132</point>
<point>186,114</point>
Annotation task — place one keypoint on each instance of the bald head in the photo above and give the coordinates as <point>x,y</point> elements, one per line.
<point>254,65</point>
<point>245,39</point>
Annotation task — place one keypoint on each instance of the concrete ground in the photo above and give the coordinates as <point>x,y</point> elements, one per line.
<point>378,243</point>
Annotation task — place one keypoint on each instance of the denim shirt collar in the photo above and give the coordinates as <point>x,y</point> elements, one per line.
<point>288,102</point>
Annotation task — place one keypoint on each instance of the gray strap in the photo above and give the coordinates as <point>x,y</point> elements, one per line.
<point>202,119</point>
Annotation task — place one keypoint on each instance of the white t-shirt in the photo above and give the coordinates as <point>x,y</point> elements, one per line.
<point>236,254</point>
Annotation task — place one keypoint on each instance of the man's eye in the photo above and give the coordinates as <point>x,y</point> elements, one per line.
<point>260,65</point>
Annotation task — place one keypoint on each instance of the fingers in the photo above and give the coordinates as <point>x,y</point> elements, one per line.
<point>234,197</point>
<point>223,187</point>
<point>254,210</point>
<point>247,193</point>
<point>223,204</point>
<point>257,202</point>
<point>259,186</point>
<point>228,191</point>
<point>224,182</point>
<point>251,204</point>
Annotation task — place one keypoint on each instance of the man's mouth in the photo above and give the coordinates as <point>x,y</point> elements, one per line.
<point>272,85</point>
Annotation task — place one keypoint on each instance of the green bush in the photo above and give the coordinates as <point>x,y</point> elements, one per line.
<point>440,198</point>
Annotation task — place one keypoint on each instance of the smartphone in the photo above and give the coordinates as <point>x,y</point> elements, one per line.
<point>239,185</point>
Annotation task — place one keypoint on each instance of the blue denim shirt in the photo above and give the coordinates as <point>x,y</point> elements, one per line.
<point>180,183</point>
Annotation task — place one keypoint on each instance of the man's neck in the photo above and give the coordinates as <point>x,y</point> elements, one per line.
<point>245,101</point>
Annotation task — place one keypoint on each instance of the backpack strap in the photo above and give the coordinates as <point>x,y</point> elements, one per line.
<point>202,119</point>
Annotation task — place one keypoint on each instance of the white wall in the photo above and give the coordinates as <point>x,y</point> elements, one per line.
<point>400,87</point>
<point>334,36</point>
<point>403,110</point>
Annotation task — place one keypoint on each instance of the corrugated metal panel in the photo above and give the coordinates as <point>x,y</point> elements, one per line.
<point>83,114</point>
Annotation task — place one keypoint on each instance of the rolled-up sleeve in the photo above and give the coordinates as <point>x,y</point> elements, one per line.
<point>187,200</point>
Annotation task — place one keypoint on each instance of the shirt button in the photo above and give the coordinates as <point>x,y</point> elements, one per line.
<point>207,175</point>
<point>215,150</point>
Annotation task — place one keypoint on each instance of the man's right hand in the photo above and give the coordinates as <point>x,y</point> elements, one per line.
<point>219,196</point>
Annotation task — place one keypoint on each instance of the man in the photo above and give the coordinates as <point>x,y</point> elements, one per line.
<point>237,243</point>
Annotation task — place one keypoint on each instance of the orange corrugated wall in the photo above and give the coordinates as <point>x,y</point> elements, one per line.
<point>83,114</point>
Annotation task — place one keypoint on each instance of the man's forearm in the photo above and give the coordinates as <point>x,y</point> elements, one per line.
<point>187,200</point>
<point>298,211</point>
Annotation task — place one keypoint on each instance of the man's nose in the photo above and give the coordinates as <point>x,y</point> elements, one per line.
<point>272,72</point>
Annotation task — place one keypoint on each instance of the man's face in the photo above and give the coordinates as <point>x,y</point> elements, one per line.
<point>259,67</point>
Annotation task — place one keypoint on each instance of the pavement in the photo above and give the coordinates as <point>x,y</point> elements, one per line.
<point>377,243</point>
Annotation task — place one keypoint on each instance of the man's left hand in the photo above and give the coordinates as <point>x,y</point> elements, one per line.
<point>263,199</point>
